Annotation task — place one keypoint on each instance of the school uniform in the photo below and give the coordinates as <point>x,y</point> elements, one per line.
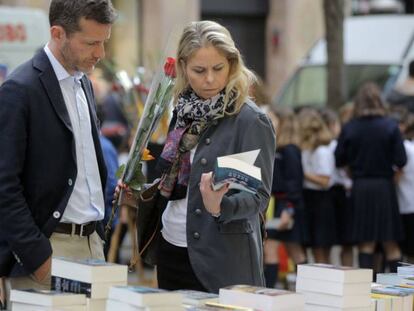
<point>287,190</point>
<point>340,194</point>
<point>405,195</point>
<point>319,211</point>
<point>371,146</point>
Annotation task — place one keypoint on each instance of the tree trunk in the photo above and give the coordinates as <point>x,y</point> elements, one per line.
<point>334,20</point>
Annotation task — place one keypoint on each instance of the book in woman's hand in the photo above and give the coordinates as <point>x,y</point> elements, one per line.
<point>238,171</point>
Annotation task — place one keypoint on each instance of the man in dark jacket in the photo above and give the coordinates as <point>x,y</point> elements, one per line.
<point>52,172</point>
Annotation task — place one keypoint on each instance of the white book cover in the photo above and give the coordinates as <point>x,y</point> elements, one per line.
<point>46,297</point>
<point>145,296</point>
<point>334,273</point>
<point>351,301</point>
<point>196,298</point>
<point>89,270</point>
<point>261,298</point>
<point>17,306</point>
<point>238,171</point>
<point>115,305</point>
<point>333,288</point>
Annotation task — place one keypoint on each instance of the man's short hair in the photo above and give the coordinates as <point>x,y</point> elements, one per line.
<point>411,69</point>
<point>67,13</point>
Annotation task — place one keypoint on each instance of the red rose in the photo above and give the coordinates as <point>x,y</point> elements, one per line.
<point>169,67</point>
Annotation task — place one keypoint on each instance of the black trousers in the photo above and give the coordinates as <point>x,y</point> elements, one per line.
<point>174,269</point>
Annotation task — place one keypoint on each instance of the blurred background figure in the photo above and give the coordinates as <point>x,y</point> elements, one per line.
<point>403,94</point>
<point>371,146</point>
<point>287,192</point>
<point>405,186</point>
<point>318,166</point>
<point>340,190</point>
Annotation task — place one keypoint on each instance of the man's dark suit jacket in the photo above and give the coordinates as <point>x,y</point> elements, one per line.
<point>37,163</point>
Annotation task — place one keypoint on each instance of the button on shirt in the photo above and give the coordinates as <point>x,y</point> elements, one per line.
<point>86,202</point>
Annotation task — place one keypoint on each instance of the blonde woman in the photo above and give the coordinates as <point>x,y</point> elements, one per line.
<point>211,239</point>
<point>318,166</point>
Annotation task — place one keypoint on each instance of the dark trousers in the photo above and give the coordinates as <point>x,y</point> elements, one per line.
<point>174,269</point>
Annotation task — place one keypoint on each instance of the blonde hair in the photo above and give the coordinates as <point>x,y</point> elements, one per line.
<point>313,131</point>
<point>207,33</point>
<point>287,131</point>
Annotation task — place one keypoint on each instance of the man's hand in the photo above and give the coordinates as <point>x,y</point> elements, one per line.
<point>41,273</point>
<point>211,199</point>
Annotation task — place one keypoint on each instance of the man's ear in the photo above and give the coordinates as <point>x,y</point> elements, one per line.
<point>57,33</point>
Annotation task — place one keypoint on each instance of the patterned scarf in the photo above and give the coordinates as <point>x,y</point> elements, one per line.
<point>194,114</point>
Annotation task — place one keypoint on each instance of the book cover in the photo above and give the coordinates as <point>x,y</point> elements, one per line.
<point>145,296</point>
<point>91,290</point>
<point>334,273</point>
<point>46,297</point>
<point>260,297</point>
<point>89,270</point>
<point>332,287</point>
<point>238,171</point>
<point>196,298</point>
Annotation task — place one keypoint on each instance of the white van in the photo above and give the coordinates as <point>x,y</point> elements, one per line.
<point>376,48</point>
<point>22,32</point>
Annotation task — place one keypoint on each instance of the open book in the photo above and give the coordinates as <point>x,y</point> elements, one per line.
<point>238,171</point>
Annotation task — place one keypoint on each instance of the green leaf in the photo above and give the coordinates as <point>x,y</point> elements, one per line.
<point>120,171</point>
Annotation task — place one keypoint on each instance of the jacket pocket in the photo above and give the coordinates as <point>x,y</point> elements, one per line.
<point>235,227</point>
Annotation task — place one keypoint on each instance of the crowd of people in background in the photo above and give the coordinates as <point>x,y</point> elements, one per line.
<point>344,178</point>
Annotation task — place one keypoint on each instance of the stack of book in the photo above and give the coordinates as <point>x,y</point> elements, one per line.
<point>334,288</point>
<point>392,298</point>
<point>138,298</point>
<point>90,277</point>
<point>261,298</point>
<point>46,300</point>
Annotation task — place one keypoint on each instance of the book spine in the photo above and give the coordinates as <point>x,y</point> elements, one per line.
<point>71,286</point>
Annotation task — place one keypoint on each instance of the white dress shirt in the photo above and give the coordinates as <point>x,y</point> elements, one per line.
<point>86,202</point>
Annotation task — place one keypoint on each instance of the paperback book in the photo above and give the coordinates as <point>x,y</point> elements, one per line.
<point>89,270</point>
<point>145,296</point>
<point>49,298</point>
<point>238,171</point>
<point>332,287</point>
<point>334,273</point>
<point>261,298</point>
